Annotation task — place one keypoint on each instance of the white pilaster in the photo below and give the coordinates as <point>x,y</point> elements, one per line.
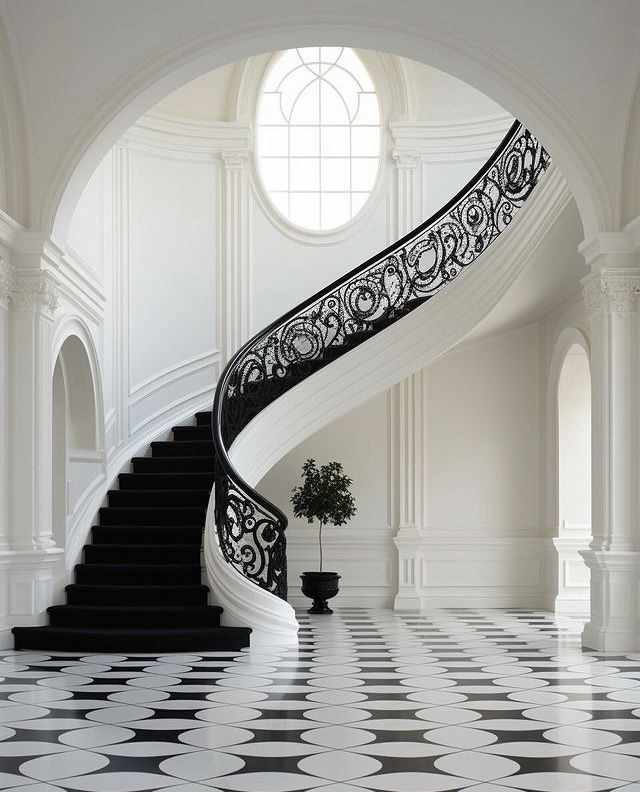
<point>235,296</point>
<point>409,402</point>
<point>33,297</point>
<point>406,166</point>
<point>611,294</point>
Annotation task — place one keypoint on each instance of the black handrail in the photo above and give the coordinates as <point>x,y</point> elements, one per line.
<point>341,315</point>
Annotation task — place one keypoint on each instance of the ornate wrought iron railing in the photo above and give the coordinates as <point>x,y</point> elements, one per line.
<point>342,315</point>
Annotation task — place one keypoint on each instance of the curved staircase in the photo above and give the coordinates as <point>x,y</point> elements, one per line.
<point>139,588</point>
<point>141,575</point>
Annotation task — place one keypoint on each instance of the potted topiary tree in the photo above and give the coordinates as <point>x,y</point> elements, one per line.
<point>324,496</point>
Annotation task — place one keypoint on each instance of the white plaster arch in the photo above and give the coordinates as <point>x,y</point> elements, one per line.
<point>90,384</point>
<point>569,575</point>
<point>14,172</point>
<point>630,158</point>
<point>300,25</point>
<point>567,338</point>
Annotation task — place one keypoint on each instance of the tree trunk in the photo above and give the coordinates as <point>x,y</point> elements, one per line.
<point>320,541</point>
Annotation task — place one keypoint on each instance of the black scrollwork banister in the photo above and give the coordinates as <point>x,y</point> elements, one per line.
<point>367,299</point>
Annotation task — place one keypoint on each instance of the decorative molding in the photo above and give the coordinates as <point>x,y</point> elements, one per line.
<point>405,159</point>
<point>34,290</point>
<point>167,135</point>
<point>235,160</point>
<point>172,374</point>
<point>27,289</point>
<point>615,291</point>
<point>6,281</point>
<point>474,139</point>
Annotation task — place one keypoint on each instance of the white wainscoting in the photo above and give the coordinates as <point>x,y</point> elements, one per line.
<point>466,571</point>
<point>365,559</point>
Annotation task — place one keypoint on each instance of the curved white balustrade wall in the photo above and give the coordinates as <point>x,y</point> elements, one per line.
<point>407,346</point>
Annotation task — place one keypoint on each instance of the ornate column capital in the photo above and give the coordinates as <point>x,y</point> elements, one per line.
<point>235,160</point>
<point>407,160</point>
<point>36,291</point>
<point>6,279</point>
<point>612,290</point>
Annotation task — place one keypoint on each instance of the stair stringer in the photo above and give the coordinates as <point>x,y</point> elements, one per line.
<point>408,345</point>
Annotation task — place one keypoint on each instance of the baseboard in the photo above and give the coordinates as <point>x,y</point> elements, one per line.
<point>300,602</point>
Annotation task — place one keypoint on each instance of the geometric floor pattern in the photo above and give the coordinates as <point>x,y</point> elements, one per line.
<point>462,699</point>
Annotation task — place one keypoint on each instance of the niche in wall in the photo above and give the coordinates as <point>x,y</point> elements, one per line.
<point>574,482</point>
<point>75,448</point>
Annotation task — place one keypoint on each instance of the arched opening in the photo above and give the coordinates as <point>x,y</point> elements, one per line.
<point>476,66</point>
<point>75,445</point>
<point>574,481</point>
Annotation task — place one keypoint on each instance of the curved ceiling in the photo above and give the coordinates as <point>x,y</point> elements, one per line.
<point>87,69</point>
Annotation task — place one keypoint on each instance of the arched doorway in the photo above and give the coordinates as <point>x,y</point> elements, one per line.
<point>573,481</point>
<point>75,441</point>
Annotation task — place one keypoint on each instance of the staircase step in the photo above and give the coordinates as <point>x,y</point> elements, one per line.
<point>142,554</point>
<point>166,481</point>
<point>137,595</point>
<point>182,448</point>
<point>181,433</point>
<point>145,515</point>
<point>138,574</point>
<point>128,616</point>
<point>145,534</point>
<point>203,418</point>
<point>174,464</point>
<point>81,639</point>
<point>160,497</point>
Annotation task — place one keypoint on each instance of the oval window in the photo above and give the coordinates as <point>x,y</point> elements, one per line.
<point>318,136</point>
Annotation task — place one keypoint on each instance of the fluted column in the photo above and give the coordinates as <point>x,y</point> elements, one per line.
<point>235,304</point>
<point>406,166</point>
<point>611,293</point>
<point>33,298</point>
<point>409,401</point>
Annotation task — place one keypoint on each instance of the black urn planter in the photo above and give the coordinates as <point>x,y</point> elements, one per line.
<point>320,587</point>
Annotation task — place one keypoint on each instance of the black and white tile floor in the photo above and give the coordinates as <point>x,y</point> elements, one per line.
<point>480,700</point>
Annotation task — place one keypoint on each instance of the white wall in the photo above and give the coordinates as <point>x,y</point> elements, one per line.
<point>361,551</point>
<point>483,436</point>
<point>482,541</point>
<point>574,441</point>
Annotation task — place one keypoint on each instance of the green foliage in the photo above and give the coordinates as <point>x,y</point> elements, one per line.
<point>324,494</point>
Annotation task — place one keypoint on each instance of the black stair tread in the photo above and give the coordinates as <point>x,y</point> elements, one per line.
<point>136,594</point>
<point>159,498</point>
<point>146,587</point>
<point>144,567</point>
<point>152,508</point>
<point>139,546</point>
<point>181,443</point>
<point>203,418</point>
<point>169,610</point>
<point>191,432</point>
<point>178,476</point>
<point>163,491</point>
<point>133,640</point>
<point>173,464</point>
<point>158,515</point>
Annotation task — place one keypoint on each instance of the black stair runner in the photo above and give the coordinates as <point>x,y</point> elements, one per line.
<point>139,588</point>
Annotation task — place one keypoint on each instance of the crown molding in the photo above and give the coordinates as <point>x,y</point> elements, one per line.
<point>163,134</point>
<point>471,139</point>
